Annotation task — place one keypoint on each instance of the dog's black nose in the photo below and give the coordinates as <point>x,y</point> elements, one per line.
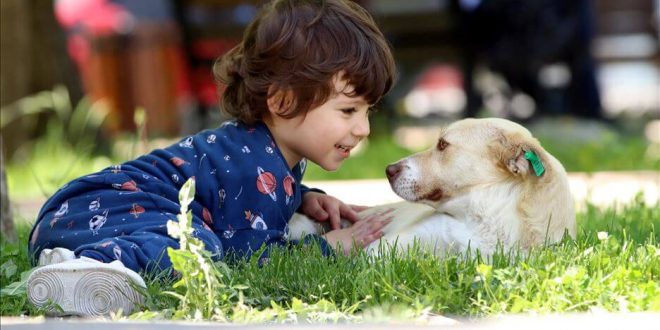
<point>392,171</point>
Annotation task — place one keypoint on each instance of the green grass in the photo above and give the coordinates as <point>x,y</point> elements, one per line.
<point>619,273</point>
<point>612,152</point>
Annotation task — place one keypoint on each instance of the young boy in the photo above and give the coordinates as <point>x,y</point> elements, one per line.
<point>300,86</point>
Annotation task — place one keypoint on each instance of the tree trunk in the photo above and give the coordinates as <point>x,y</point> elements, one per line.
<point>33,58</point>
<point>6,217</point>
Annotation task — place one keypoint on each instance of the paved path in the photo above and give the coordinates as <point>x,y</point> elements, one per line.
<point>601,188</point>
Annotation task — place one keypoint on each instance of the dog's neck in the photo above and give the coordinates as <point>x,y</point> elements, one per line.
<point>549,214</point>
<point>496,217</point>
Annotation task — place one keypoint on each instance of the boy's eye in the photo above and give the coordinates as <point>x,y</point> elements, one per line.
<point>348,111</point>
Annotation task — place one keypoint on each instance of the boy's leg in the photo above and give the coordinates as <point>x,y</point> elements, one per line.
<point>126,226</point>
<point>145,249</point>
<point>103,278</point>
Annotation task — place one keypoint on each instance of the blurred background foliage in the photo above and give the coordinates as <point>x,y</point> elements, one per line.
<point>582,75</point>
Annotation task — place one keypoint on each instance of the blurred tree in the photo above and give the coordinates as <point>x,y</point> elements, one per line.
<point>6,217</point>
<point>32,58</point>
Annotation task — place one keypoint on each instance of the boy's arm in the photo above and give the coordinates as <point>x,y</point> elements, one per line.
<point>304,189</point>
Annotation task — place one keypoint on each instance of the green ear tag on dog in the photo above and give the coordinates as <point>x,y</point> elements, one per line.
<point>535,161</point>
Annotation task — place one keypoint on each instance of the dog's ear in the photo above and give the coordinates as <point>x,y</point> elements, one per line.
<point>518,156</point>
<point>516,163</point>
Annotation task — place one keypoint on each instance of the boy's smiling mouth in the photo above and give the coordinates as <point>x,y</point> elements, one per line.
<point>345,150</point>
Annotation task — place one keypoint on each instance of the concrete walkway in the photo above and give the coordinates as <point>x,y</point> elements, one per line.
<point>601,188</point>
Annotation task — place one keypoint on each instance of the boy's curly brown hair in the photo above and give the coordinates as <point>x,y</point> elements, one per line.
<point>299,46</point>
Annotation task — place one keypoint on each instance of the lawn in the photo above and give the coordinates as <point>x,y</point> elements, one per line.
<point>613,265</point>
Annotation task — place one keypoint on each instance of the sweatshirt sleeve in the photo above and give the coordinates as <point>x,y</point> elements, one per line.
<point>304,189</point>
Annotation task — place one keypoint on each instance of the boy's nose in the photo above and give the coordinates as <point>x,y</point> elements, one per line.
<point>361,129</point>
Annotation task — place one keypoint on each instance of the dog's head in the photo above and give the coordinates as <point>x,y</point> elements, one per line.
<point>470,153</point>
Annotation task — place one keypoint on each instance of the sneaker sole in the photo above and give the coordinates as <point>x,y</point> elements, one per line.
<point>83,291</point>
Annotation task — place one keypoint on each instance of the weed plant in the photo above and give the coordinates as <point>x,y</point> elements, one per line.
<point>66,148</point>
<point>202,285</point>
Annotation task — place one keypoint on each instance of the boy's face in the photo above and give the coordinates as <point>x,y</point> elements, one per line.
<point>324,135</point>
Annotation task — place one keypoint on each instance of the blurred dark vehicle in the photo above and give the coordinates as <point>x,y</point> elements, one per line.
<point>520,38</point>
<point>545,55</point>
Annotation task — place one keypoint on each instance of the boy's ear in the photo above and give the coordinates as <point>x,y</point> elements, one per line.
<point>279,101</point>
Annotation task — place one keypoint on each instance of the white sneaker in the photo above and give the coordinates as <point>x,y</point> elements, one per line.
<point>54,256</point>
<point>85,287</point>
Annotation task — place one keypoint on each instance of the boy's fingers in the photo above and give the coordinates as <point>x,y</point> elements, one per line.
<point>348,213</point>
<point>381,215</point>
<point>358,208</point>
<point>335,223</point>
<point>385,212</point>
<point>368,239</point>
<point>381,224</point>
<point>335,219</point>
<point>388,211</point>
<point>377,227</point>
<point>366,225</point>
<point>365,228</point>
<point>320,214</point>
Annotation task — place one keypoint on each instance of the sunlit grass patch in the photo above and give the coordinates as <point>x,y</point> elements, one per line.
<point>619,271</point>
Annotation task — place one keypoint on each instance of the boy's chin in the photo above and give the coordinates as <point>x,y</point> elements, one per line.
<point>330,167</point>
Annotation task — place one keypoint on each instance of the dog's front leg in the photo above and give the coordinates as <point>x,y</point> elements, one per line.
<point>300,225</point>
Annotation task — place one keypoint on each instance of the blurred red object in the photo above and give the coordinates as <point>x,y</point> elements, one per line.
<point>97,17</point>
<point>128,63</point>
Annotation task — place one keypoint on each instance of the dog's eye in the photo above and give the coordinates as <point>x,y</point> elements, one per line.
<point>442,144</point>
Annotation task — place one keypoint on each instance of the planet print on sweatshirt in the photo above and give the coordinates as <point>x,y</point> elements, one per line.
<point>266,183</point>
<point>288,183</point>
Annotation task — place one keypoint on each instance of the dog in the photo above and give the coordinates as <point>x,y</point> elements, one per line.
<point>486,183</point>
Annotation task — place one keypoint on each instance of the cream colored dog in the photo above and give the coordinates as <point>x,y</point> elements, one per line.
<point>486,182</point>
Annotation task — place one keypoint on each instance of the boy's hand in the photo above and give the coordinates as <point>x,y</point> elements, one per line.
<point>361,234</point>
<point>322,207</point>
